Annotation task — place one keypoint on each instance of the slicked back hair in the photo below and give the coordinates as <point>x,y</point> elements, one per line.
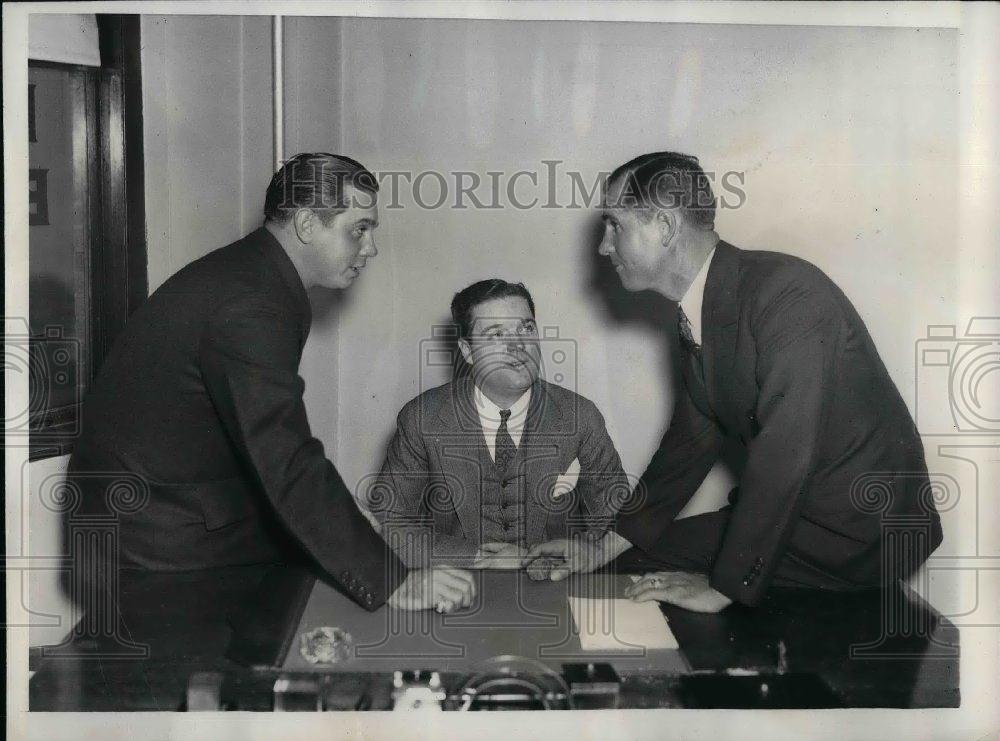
<point>485,290</point>
<point>317,180</point>
<point>666,180</point>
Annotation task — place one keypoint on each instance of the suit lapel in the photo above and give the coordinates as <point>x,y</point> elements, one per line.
<point>720,321</point>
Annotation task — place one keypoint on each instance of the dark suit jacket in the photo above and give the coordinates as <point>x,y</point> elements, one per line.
<point>201,398</point>
<point>438,470</point>
<point>791,371</point>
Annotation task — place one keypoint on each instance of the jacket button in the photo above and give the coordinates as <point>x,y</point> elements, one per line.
<point>746,582</point>
<point>760,562</point>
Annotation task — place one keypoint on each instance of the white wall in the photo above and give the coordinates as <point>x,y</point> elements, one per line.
<point>207,131</point>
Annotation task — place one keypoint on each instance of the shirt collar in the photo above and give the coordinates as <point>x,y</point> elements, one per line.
<point>489,412</point>
<point>694,297</point>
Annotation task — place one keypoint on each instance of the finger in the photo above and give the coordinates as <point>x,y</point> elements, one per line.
<point>653,585</point>
<point>468,596</point>
<point>658,594</point>
<point>492,547</point>
<point>463,587</point>
<point>450,593</point>
<point>559,573</point>
<point>645,581</point>
<point>463,576</point>
<point>450,577</point>
<point>549,548</point>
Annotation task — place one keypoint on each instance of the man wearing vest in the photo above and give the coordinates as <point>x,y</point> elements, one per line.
<point>482,468</point>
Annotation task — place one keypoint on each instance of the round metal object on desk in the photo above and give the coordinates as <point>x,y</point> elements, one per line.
<point>326,645</point>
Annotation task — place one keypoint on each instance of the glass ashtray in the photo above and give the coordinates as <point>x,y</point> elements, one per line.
<point>325,645</point>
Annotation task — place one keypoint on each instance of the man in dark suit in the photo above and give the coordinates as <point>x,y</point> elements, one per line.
<point>774,356</point>
<point>497,460</point>
<point>201,400</point>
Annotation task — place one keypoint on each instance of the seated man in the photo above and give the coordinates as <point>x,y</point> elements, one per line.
<point>490,458</point>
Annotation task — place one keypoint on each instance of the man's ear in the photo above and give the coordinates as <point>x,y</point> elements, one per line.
<point>466,348</point>
<point>305,221</point>
<point>667,221</point>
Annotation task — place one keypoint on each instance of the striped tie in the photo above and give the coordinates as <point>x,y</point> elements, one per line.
<point>505,448</point>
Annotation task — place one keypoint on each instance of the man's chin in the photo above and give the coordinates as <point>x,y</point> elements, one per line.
<point>511,380</point>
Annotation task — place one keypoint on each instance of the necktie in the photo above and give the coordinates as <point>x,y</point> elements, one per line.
<point>505,448</point>
<point>684,330</point>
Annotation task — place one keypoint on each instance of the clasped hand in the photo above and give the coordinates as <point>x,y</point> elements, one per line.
<point>557,559</point>
<point>690,591</point>
<point>445,589</point>
<point>500,556</point>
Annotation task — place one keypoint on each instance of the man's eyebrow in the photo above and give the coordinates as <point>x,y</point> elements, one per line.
<point>491,326</point>
<point>366,221</point>
<point>605,217</point>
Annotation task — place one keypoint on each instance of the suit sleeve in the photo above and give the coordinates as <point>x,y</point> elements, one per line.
<point>401,496</point>
<point>797,339</point>
<point>603,485</point>
<point>249,362</point>
<point>686,454</point>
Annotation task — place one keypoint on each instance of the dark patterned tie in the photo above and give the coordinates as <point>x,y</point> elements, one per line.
<point>505,448</point>
<point>684,330</point>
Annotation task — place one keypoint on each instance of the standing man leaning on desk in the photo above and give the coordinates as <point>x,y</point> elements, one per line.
<point>776,357</point>
<point>202,399</point>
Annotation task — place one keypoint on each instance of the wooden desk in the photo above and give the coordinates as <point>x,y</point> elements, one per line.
<point>184,623</point>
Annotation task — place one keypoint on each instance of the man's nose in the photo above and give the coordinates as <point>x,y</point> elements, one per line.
<point>370,249</point>
<point>604,248</point>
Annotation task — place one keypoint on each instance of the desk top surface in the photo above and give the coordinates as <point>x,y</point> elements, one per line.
<point>512,615</point>
<point>173,625</point>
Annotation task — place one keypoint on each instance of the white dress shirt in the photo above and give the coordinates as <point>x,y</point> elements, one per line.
<point>694,297</point>
<point>489,418</point>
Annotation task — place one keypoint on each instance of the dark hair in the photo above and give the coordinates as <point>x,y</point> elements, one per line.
<point>485,290</point>
<point>315,180</point>
<point>667,180</point>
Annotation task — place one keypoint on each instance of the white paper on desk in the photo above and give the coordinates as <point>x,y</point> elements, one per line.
<point>620,624</point>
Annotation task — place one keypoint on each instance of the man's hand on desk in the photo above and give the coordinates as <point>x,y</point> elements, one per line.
<point>690,591</point>
<point>557,559</point>
<point>500,556</point>
<point>445,589</point>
